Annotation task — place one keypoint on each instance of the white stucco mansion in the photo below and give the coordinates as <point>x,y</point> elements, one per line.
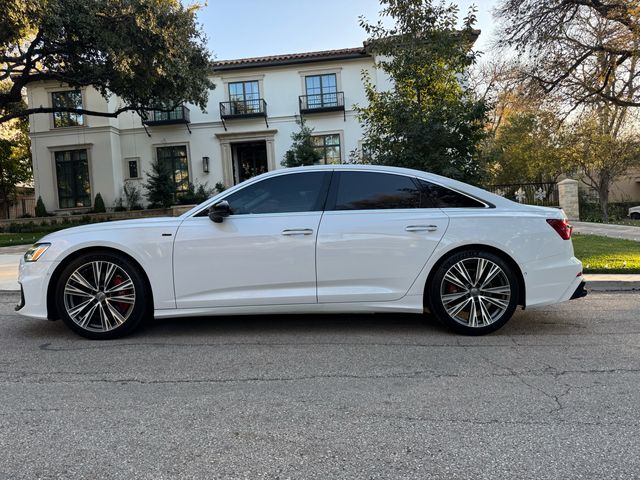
<point>245,130</point>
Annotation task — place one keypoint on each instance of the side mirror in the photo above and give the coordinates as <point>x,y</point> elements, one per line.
<point>218,211</point>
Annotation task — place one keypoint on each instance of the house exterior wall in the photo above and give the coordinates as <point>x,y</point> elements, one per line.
<point>112,142</point>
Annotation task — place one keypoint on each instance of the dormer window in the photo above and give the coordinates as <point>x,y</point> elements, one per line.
<point>67,99</point>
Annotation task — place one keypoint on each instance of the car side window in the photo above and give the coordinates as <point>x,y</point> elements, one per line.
<point>437,196</point>
<point>373,190</point>
<point>295,192</point>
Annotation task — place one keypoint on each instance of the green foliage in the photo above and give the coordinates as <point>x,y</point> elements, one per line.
<point>132,195</point>
<point>527,148</point>
<point>220,187</point>
<point>430,119</point>
<point>40,209</point>
<point>159,186</point>
<point>147,52</point>
<point>592,212</point>
<point>98,204</point>
<point>15,159</point>
<point>302,151</point>
<point>196,193</point>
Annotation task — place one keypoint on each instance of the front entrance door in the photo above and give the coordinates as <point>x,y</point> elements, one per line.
<point>249,160</point>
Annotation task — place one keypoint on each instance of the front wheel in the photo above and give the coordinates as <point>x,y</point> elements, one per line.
<point>635,216</point>
<point>101,296</point>
<point>473,292</point>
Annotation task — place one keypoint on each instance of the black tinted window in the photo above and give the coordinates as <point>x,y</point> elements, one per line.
<point>436,196</point>
<point>368,191</point>
<point>297,192</point>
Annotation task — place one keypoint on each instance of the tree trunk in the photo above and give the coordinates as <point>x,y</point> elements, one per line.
<point>603,196</point>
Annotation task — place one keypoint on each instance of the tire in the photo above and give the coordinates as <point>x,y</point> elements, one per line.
<point>635,216</point>
<point>102,296</point>
<point>470,305</point>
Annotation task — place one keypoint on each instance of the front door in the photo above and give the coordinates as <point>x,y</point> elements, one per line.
<point>249,160</point>
<point>262,254</point>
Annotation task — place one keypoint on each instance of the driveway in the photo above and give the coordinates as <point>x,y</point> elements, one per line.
<point>554,394</point>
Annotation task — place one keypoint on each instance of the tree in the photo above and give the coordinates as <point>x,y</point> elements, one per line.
<point>160,186</point>
<point>529,147</point>
<point>15,160</point>
<point>602,157</point>
<point>429,120</point>
<point>302,151</point>
<point>150,53</point>
<point>587,50</point>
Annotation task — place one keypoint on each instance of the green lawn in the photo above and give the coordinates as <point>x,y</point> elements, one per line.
<point>9,239</point>
<point>607,255</point>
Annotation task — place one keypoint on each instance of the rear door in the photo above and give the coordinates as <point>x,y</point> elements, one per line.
<point>374,237</point>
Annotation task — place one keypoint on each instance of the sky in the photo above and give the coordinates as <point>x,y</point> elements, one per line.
<point>253,28</point>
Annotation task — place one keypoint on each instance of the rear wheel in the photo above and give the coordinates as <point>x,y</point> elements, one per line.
<point>101,296</point>
<point>474,292</point>
<point>635,216</point>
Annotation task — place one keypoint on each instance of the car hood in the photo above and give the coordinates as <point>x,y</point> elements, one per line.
<point>168,222</point>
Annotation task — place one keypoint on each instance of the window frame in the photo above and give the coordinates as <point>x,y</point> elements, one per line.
<point>325,146</point>
<point>128,167</point>
<point>56,178</point>
<point>54,118</point>
<point>188,163</point>
<point>322,93</point>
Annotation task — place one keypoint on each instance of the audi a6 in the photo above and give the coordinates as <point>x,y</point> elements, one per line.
<point>326,239</point>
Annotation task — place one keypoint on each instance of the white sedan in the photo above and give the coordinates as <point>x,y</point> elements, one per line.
<point>327,239</point>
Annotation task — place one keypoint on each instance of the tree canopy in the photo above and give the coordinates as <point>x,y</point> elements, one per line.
<point>430,119</point>
<point>588,50</point>
<point>150,53</point>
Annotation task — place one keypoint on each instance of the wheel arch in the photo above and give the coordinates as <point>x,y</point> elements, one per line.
<point>487,248</point>
<point>52,312</point>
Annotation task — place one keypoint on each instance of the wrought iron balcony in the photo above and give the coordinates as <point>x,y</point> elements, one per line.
<point>256,107</point>
<point>322,102</point>
<point>160,117</point>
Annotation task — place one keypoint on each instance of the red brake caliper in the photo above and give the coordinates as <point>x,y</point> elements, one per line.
<point>117,280</point>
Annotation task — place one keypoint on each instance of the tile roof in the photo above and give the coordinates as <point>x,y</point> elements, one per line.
<point>289,58</point>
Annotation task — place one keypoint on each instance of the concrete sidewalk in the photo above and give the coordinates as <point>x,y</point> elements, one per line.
<point>607,230</point>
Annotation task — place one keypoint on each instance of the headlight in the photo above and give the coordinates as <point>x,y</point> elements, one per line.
<point>35,252</point>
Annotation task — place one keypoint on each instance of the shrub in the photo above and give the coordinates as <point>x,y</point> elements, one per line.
<point>98,204</point>
<point>41,211</point>
<point>159,185</point>
<point>132,195</point>
<point>196,193</point>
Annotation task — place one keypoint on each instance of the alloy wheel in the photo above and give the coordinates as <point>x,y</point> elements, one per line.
<point>99,296</point>
<point>475,292</point>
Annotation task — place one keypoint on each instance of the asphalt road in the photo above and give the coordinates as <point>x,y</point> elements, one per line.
<point>555,394</point>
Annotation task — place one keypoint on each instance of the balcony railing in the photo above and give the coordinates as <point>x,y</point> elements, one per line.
<point>322,102</point>
<point>256,107</point>
<point>159,117</point>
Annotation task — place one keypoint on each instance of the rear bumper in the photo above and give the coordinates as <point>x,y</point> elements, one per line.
<point>580,291</point>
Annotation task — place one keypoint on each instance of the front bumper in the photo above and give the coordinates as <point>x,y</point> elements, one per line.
<point>34,278</point>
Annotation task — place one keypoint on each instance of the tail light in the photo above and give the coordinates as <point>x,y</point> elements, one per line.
<point>562,227</point>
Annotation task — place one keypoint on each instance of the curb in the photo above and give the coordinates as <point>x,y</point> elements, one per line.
<point>612,286</point>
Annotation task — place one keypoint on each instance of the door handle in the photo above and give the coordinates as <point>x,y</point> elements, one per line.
<point>421,228</point>
<point>297,231</point>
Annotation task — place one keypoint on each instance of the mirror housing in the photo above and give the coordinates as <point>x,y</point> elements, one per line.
<point>218,211</point>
